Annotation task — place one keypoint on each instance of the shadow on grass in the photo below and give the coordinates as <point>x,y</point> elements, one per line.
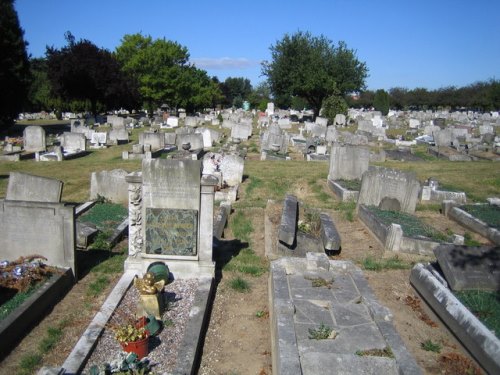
<point>224,251</point>
<point>87,260</point>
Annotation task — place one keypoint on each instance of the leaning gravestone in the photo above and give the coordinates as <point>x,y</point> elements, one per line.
<point>348,162</point>
<point>26,187</point>
<point>389,189</point>
<point>34,139</point>
<point>470,268</point>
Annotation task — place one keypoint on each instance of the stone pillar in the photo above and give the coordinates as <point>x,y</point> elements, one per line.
<point>205,234</point>
<point>394,238</point>
<point>135,235</point>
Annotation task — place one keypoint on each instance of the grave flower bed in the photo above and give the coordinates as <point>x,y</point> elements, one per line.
<point>485,305</point>
<point>105,216</point>
<point>488,213</point>
<point>19,279</point>
<point>412,226</point>
<point>350,184</point>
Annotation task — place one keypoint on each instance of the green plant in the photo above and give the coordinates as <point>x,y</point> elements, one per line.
<point>350,184</point>
<point>261,314</point>
<point>394,263</point>
<point>101,242</point>
<point>168,322</point>
<point>469,241</point>
<point>241,226</point>
<point>485,305</point>
<point>240,285</point>
<point>129,332</point>
<point>54,335</point>
<point>96,287</point>
<point>385,352</point>
<point>321,333</point>
<point>347,209</point>
<point>29,363</point>
<point>488,213</point>
<point>430,346</point>
<point>105,216</point>
<point>320,282</point>
<point>254,183</point>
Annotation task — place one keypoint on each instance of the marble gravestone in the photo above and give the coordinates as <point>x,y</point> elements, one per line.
<point>171,216</point>
<point>34,139</point>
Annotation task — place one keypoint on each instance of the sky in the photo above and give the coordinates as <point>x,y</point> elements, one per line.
<point>417,43</point>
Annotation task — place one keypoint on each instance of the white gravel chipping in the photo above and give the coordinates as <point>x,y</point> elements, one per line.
<point>163,348</point>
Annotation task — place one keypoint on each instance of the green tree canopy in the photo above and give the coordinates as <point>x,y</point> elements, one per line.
<point>235,88</point>
<point>82,71</point>
<point>163,73</point>
<point>14,65</point>
<point>312,67</point>
<point>381,101</point>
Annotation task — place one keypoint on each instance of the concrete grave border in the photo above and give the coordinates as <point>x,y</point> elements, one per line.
<point>391,237</point>
<point>343,193</point>
<point>18,323</point>
<point>478,339</point>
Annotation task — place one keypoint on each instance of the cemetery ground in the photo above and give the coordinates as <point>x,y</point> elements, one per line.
<point>238,335</point>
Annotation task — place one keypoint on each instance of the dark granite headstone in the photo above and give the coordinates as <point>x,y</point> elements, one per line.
<point>467,268</point>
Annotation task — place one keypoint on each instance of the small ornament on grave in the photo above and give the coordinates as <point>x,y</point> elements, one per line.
<point>147,285</point>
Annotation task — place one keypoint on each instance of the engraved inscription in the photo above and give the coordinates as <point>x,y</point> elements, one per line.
<point>171,231</point>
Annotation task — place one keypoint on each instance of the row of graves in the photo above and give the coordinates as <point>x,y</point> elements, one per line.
<point>386,200</point>
<point>171,222</point>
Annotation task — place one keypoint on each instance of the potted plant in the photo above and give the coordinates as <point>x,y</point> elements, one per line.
<point>131,333</point>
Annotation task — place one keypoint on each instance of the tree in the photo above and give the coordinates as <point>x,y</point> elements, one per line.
<point>161,68</point>
<point>334,105</point>
<point>381,102</point>
<point>235,88</point>
<point>312,68</point>
<point>82,71</point>
<point>260,96</point>
<point>14,65</point>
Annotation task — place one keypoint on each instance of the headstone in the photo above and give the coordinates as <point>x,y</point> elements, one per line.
<point>171,194</point>
<point>110,185</point>
<point>348,162</point>
<point>389,189</point>
<point>26,187</point>
<point>34,139</point>
<point>170,138</point>
<point>469,268</point>
<point>195,140</point>
<point>340,119</point>
<point>73,142</point>
<point>270,109</point>
<point>486,129</point>
<point>191,121</point>
<point>99,138</point>
<point>118,136</point>
<point>321,121</point>
<point>241,131</point>
<point>231,167</point>
<point>284,123</point>
<point>156,140</point>
<point>173,121</point>
<point>288,226</point>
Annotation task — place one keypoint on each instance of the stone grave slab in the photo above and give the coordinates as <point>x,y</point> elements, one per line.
<point>467,268</point>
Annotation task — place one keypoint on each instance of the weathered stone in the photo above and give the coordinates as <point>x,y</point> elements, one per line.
<point>30,188</point>
<point>288,226</point>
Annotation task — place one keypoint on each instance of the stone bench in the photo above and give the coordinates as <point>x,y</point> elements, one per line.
<point>329,234</point>
<point>288,226</point>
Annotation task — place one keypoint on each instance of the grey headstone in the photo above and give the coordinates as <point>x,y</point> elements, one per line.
<point>329,234</point>
<point>171,204</point>
<point>384,185</point>
<point>34,139</point>
<point>195,140</point>
<point>156,140</point>
<point>232,167</point>
<point>26,187</point>
<point>110,185</point>
<point>348,162</point>
<point>242,131</point>
<point>73,142</point>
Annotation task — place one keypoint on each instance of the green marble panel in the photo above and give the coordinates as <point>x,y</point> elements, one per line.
<point>171,231</point>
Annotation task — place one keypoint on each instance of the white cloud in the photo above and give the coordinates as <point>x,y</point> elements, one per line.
<point>223,63</point>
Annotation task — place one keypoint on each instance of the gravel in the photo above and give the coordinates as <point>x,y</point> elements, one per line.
<point>163,348</point>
